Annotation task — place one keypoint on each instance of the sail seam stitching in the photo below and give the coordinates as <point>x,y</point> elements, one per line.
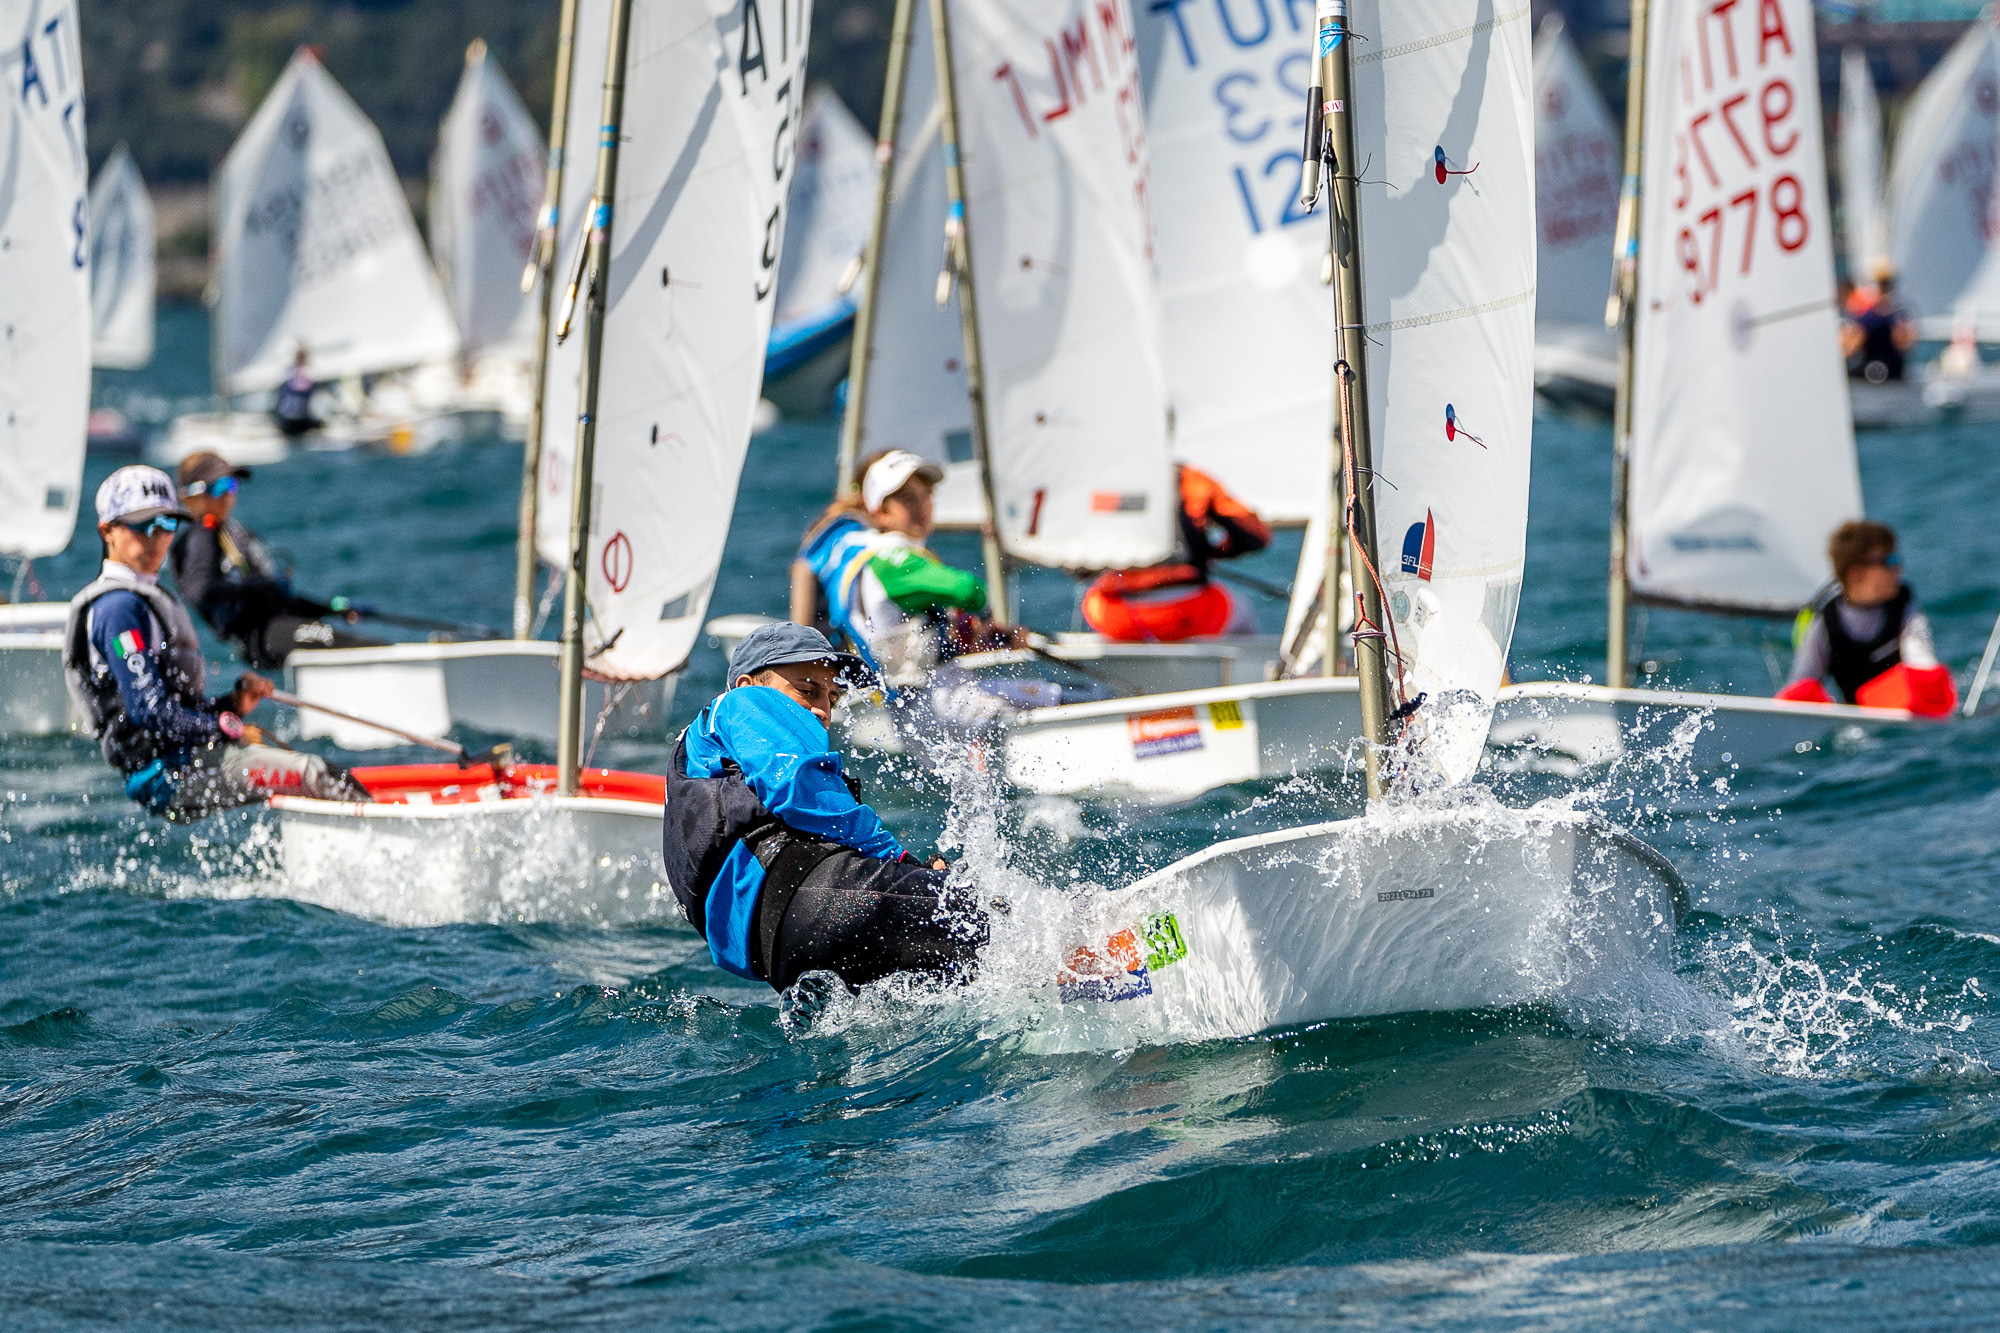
<point>1442,316</point>
<point>1390,53</point>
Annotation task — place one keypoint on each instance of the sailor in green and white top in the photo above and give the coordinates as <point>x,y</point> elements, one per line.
<point>904,609</point>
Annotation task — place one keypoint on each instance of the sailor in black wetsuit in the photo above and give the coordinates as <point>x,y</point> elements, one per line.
<point>293,408</point>
<point>230,578</point>
<point>772,855</point>
<point>1879,333</point>
<point>1868,634</point>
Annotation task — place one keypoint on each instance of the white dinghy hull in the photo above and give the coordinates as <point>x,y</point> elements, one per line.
<point>1555,726</point>
<point>1168,747</point>
<point>503,686</point>
<point>33,701</point>
<point>1404,911</point>
<point>570,860</point>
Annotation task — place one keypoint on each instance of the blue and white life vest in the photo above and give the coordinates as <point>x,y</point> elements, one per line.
<point>837,556</point>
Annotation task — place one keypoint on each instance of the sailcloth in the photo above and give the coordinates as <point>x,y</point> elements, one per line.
<point>916,369</point>
<point>486,184</point>
<point>709,141</point>
<point>44,279</point>
<point>833,201</point>
<point>1070,321</point>
<point>121,265</point>
<point>1742,445</point>
<point>315,245</point>
<point>1249,325</point>
<point>1577,170</point>
<point>1942,179</point>
<point>1862,210</point>
<point>1445,113</point>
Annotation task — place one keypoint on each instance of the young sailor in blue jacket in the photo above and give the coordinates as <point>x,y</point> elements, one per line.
<point>771,853</point>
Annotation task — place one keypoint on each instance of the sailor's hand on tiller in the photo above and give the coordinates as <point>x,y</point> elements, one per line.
<point>251,690</point>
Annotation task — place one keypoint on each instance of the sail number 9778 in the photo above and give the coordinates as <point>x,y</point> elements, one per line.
<point>1701,245</point>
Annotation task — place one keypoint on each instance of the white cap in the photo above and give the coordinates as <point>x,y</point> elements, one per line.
<point>889,473</point>
<point>135,492</point>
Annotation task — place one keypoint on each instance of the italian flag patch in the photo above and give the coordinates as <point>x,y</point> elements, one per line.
<point>130,642</point>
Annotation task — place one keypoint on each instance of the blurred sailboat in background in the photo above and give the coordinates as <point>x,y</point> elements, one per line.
<point>45,377</point>
<point>1576,210</point>
<point>121,288</point>
<point>314,248</point>
<point>486,183</point>
<point>832,202</point>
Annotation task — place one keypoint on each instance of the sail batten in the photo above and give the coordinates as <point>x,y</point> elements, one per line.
<point>121,265</point>
<point>315,245</point>
<point>44,284</point>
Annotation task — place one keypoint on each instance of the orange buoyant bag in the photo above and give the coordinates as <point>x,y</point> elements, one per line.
<point>1925,691</point>
<point>1205,610</point>
<point>1805,692</point>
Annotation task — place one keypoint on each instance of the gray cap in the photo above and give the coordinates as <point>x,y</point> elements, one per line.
<point>782,643</point>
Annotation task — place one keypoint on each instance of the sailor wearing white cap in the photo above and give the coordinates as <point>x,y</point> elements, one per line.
<point>901,607</point>
<point>135,672</point>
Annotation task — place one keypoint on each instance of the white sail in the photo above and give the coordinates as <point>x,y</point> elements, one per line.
<point>832,203</point>
<point>486,183</point>
<point>1249,323</point>
<point>1445,120</point>
<point>44,278</point>
<point>565,357</point>
<point>315,246</point>
<point>1070,322</point>
<point>1941,182</point>
<point>1865,216</point>
<point>1578,157</point>
<point>121,265</point>
<point>710,135</point>
<point>916,371</point>
<point>1742,446</point>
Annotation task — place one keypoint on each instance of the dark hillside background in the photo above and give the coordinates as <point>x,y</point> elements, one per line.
<point>177,79</point>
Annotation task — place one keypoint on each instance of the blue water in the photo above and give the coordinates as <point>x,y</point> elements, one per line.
<point>225,1110</point>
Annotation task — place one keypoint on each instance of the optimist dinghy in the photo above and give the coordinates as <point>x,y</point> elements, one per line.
<point>315,247</point>
<point>659,362</point>
<point>1726,493</point>
<point>45,388</point>
<point>1435,902</point>
<point>121,265</point>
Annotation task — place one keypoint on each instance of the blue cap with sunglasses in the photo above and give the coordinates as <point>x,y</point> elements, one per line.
<point>135,495</point>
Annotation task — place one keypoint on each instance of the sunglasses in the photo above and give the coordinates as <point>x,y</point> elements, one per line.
<point>1889,561</point>
<point>217,489</point>
<point>157,523</point>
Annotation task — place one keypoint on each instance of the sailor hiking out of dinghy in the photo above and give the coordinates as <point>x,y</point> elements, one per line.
<point>771,853</point>
<point>865,574</point>
<point>228,574</point>
<point>134,669</point>
<point>1868,633</point>
<point>1175,601</point>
